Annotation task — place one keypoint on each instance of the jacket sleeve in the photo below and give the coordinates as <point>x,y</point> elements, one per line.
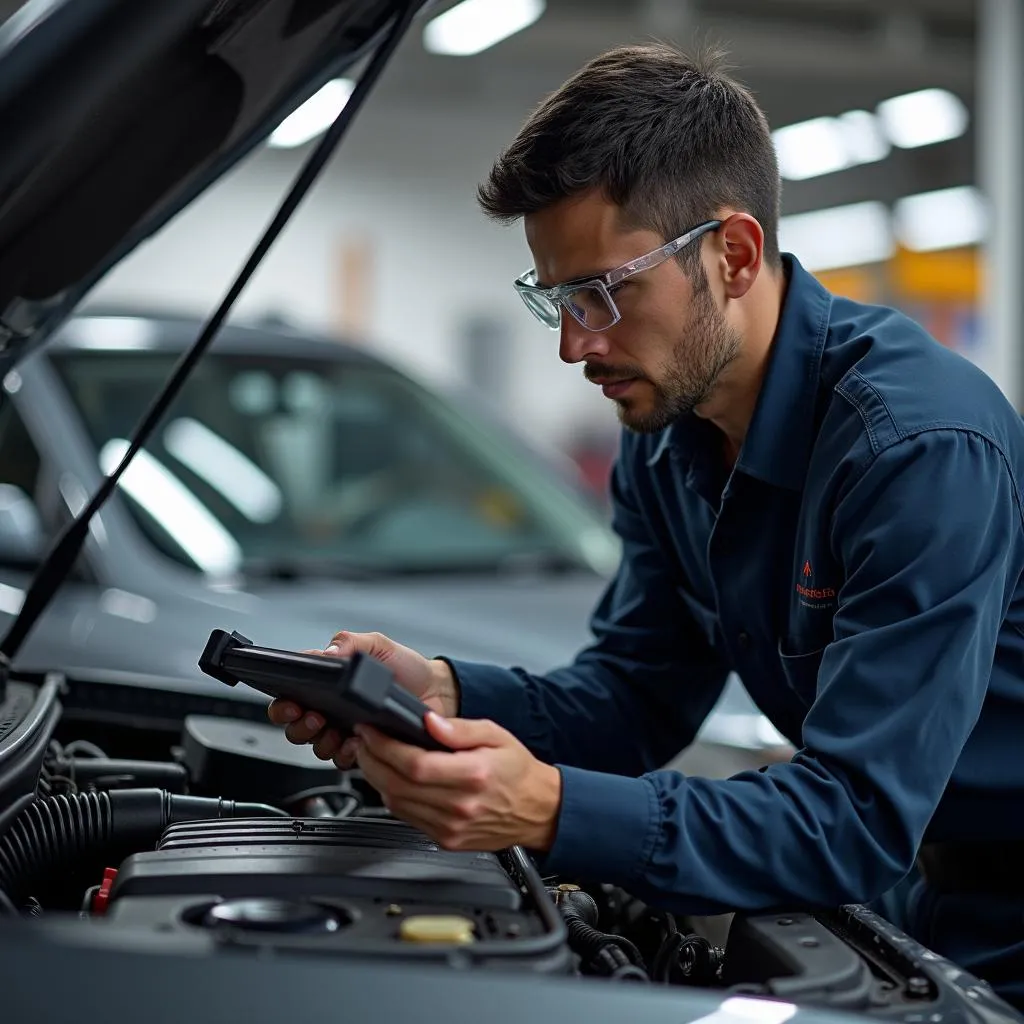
<point>930,541</point>
<point>636,696</point>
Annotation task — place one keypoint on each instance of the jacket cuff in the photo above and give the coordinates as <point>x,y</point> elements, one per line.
<point>607,827</point>
<point>486,691</point>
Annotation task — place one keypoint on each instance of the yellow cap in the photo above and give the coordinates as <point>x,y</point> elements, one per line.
<point>440,929</point>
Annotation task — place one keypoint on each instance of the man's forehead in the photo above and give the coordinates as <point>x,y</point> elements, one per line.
<point>581,237</point>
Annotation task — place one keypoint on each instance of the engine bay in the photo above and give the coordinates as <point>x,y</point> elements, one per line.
<point>210,833</point>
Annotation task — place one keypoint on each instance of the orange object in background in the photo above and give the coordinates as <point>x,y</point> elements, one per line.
<point>941,290</point>
<point>951,275</point>
<point>862,284</point>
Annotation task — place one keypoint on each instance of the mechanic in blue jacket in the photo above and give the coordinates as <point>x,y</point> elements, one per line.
<point>810,491</point>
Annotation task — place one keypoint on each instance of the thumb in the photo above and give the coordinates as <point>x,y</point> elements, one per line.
<point>464,733</point>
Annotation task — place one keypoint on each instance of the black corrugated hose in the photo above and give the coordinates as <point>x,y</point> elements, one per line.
<point>600,953</point>
<point>61,833</point>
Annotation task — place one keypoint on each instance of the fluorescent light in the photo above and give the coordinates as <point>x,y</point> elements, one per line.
<point>230,472</point>
<point>941,220</point>
<point>314,117</point>
<point>862,135</point>
<point>175,508</point>
<point>827,144</point>
<point>841,236</point>
<point>923,118</point>
<point>810,148</point>
<point>476,25</point>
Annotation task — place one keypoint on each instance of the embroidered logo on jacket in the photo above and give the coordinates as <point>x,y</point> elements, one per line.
<point>810,595</point>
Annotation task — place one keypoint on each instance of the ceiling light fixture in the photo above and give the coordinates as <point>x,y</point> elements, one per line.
<point>944,219</point>
<point>840,236</point>
<point>810,148</point>
<point>863,137</point>
<point>314,117</point>
<point>476,25</point>
<point>923,118</point>
<point>823,145</point>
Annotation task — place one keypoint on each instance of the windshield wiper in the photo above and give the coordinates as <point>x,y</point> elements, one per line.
<point>65,550</point>
<point>526,563</point>
<point>289,568</point>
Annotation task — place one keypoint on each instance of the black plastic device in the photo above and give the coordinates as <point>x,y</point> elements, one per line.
<point>346,691</point>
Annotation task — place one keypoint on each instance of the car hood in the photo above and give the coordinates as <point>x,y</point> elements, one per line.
<point>535,624</point>
<point>116,114</point>
<point>156,641</point>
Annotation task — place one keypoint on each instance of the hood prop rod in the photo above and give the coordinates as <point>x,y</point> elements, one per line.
<point>65,550</point>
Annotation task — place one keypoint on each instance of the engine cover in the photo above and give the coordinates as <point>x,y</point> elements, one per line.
<point>375,887</point>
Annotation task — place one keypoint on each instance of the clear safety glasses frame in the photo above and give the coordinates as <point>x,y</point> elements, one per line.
<point>589,300</point>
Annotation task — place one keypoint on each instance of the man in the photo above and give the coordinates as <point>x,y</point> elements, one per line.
<point>810,491</point>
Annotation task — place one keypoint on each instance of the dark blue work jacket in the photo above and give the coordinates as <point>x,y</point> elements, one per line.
<point>860,569</point>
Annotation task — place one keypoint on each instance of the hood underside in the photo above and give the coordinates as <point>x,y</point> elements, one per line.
<point>115,114</point>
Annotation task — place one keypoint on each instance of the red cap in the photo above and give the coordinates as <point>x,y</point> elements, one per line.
<point>102,897</point>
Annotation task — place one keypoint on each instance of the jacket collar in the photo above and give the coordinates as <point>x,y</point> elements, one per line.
<point>778,444</point>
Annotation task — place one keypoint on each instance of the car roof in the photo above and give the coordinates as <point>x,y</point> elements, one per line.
<point>122,329</point>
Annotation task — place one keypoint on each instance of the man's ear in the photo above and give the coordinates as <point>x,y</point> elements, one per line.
<point>740,253</point>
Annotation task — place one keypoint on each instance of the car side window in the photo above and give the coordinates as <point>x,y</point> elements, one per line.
<point>22,536</point>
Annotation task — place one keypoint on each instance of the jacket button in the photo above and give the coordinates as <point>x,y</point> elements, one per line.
<point>743,639</point>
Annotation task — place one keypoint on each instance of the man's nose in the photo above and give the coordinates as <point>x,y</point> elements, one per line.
<point>576,343</point>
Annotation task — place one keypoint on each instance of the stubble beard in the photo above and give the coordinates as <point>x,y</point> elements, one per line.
<point>698,360</point>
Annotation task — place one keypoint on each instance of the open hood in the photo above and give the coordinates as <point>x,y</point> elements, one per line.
<point>115,114</point>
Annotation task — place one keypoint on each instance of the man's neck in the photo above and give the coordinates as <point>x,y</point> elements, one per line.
<point>732,407</point>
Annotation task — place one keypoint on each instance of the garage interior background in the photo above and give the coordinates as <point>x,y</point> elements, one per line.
<point>392,252</point>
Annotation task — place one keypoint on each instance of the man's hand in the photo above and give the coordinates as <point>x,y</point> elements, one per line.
<point>489,793</point>
<point>431,681</point>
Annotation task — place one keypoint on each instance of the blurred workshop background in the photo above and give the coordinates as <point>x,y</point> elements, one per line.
<point>466,511</point>
<point>898,126</point>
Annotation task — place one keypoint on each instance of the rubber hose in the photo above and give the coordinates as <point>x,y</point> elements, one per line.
<point>63,832</point>
<point>580,907</point>
<point>603,953</point>
<point>581,903</point>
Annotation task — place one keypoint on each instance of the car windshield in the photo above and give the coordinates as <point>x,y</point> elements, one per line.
<point>274,465</point>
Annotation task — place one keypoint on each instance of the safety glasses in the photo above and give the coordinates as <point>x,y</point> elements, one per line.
<point>589,299</point>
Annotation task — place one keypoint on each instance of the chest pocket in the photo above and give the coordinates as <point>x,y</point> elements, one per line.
<point>800,671</point>
<point>702,615</point>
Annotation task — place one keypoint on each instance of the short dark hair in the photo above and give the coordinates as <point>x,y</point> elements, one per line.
<point>668,138</point>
